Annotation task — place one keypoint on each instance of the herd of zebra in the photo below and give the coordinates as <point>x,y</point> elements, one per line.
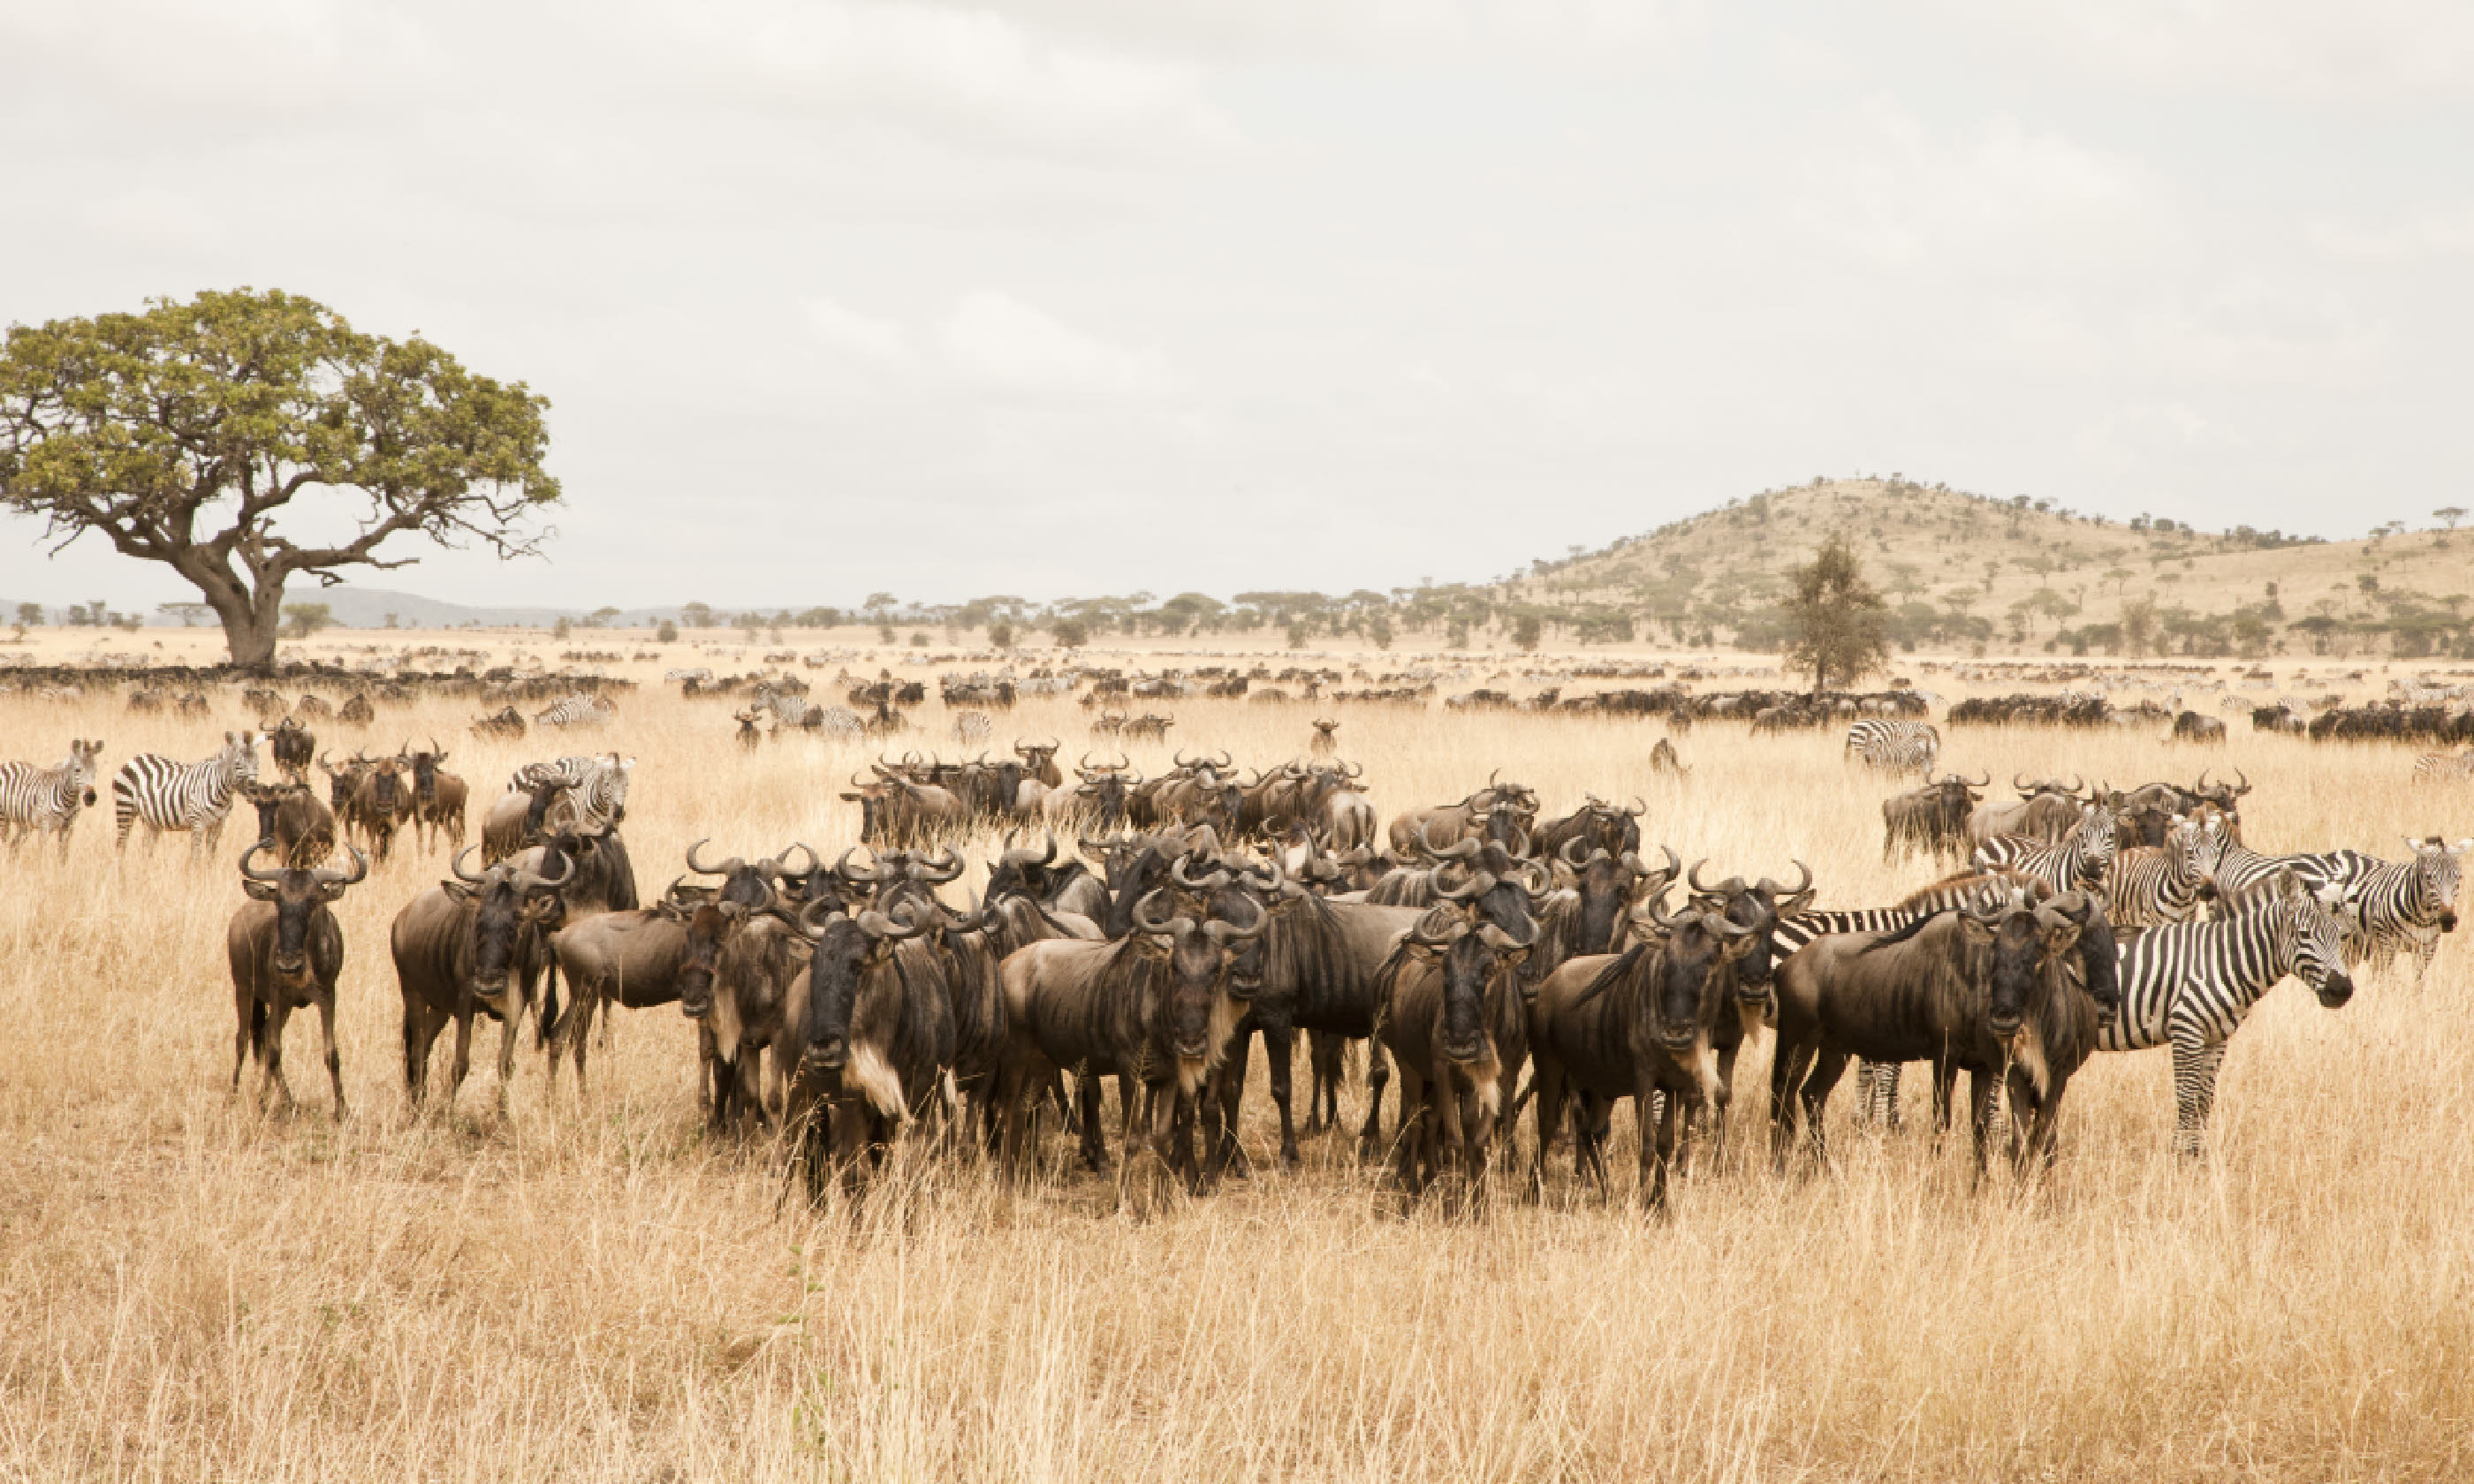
<point>1470,940</point>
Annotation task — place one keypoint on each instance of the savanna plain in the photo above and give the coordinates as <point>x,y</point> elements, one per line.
<point>594,1288</point>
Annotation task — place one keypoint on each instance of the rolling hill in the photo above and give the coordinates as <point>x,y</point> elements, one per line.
<point>2013,575</point>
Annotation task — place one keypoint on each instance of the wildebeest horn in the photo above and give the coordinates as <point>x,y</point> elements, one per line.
<point>1418,935</point>
<point>1144,921</point>
<point>2244,786</point>
<point>1479,883</point>
<point>2201,786</point>
<point>1576,862</point>
<point>1354,770</point>
<point>534,878</point>
<point>1638,809</point>
<point>876,924</point>
<point>252,872</point>
<point>1802,885</point>
<point>2078,783</point>
<point>1693,879</point>
<point>843,869</point>
<point>1462,851</point>
<point>332,879</point>
<point>435,751</point>
<point>1716,923</point>
<point>1984,782</point>
<point>808,915</point>
<point>1535,878</point>
<point>2018,782</point>
<point>1225,932</point>
<point>457,865</point>
<point>777,865</point>
<point>1182,761</point>
<point>947,865</point>
<point>726,868</point>
<point>1182,877</point>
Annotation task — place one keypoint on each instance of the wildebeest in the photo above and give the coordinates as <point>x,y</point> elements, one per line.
<point>285,951</point>
<point>1932,819</point>
<point>1636,1024</point>
<point>735,984</point>
<point>895,811</point>
<point>1665,762</point>
<point>1453,822</point>
<point>437,798</point>
<point>455,946</point>
<point>872,1024</point>
<point>1988,991</point>
<point>293,747</point>
<point>1153,1006</point>
<point>2046,809</point>
<point>1455,1023</point>
<point>357,711</point>
<point>382,805</point>
<point>301,829</point>
<point>506,723</point>
<point>2191,726</point>
<point>747,735</point>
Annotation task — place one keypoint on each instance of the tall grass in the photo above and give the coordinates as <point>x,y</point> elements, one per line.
<point>191,1289</point>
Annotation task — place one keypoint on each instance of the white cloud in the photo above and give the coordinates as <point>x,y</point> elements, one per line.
<point>2426,232</point>
<point>2361,50</point>
<point>1001,342</point>
<point>884,341</point>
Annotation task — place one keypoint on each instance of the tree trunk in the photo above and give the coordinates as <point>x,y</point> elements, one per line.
<point>250,619</point>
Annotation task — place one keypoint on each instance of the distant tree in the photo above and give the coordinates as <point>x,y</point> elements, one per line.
<point>2139,626</point>
<point>1001,635</point>
<point>2449,515</point>
<point>667,634</point>
<point>699,615</point>
<point>304,619</point>
<point>1379,629</point>
<point>1526,631</point>
<point>182,433</point>
<point>919,639</point>
<point>1069,633</point>
<point>885,634</point>
<point>187,612</point>
<point>605,615</point>
<point>562,629</point>
<point>1838,622</point>
<point>389,623</point>
<point>30,615</point>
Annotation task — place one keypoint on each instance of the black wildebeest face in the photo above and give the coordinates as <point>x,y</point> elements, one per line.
<point>2021,946</point>
<point>506,900</point>
<point>1467,965</point>
<point>1692,947</point>
<point>709,927</point>
<point>1198,958</point>
<point>1755,909</point>
<point>2099,956</point>
<point>298,898</point>
<point>424,774</point>
<point>844,951</point>
<point>1608,886</point>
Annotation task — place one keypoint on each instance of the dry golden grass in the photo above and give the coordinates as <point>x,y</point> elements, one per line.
<point>193,1290</point>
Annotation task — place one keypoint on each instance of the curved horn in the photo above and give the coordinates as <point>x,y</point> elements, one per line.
<point>1693,879</point>
<point>1802,885</point>
<point>843,869</point>
<point>1638,809</point>
<point>703,870</point>
<point>1230,932</point>
<point>1479,883</point>
<point>1535,880</point>
<point>2018,782</point>
<point>810,927</point>
<point>2201,786</point>
<point>457,866</point>
<point>1144,921</point>
<point>1460,852</point>
<point>946,866</point>
<point>779,868</point>
<point>876,924</point>
<point>2245,788</point>
<point>327,876</point>
<point>252,872</point>
<point>1567,856</point>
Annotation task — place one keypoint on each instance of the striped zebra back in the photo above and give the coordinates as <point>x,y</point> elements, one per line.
<point>169,794</point>
<point>2150,886</point>
<point>1794,932</point>
<point>2444,767</point>
<point>2079,860</point>
<point>2203,977</point>
<point>2403,906</point>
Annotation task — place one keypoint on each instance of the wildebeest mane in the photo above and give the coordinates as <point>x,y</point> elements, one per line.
<point>1625,961</point>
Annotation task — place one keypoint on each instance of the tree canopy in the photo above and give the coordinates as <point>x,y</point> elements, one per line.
<point>183,432</point>
<point>1839,624</point>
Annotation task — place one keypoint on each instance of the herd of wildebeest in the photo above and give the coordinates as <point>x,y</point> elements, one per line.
<point>1492,955</point>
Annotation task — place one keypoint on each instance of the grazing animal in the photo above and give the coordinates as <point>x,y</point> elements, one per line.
<point>437,798</point>
<point>2148,886</point>
<point>874,1046</point>
<point>1932,819</point>
<point>1636,1024</point>
<point>2441,768</point>
<point>2191,984</point>
<point>507,724</point>
<point>171,795</point>
<point>1665,762</point>
<point>285,949</point>
<point>1326,739</point>
<point>382,805</point>
<point>2079,859</point>
<point>47,799</point>
<point>576,712</point>
<point>593,788</point>
<point>292,744</point>
<point>2404,907</point>
<point>1889,745</point>
<point>2191,726</point>
<point>290,817</point>
<point>456,947</point>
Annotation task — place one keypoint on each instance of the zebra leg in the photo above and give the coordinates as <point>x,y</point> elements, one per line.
<point>2195,1092</point>
<point>1885,1096</point>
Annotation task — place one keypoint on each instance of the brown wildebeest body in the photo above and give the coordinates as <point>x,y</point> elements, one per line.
<point>868,1043</point>
<point>438,800</point>
<point>455,946</point>
<point>285,949</point>
<point>1983,992</point>
<point>1456,1028</point>
<point>289,814</point>
<point>1636,1024</point>
<point>736,985</point>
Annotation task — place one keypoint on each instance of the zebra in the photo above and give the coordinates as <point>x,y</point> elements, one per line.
<point>789,710</point>
<point>973,726</point>
<point>169,794</point>
<point>2444,768</point>
<point>841,720</point>
<point>576,712</point>
<point>2404,907</point>
<point>47,799</point>
<point>2243,871</point>
<point>2148,886</point>
<point>2079,860</point>
<point>2189,986</point>
<point>596,787</point>
<point>1894,746</point>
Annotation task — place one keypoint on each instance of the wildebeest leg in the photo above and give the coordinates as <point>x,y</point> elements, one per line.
<point>1980,1088</point>
<point>1378,1072</point>
<point>463,1062</point>
<point>507,1054</point>
<point>1087,1097</point>
<point>272,1052</point>
<point>1589,1151</point>
<point>1414,1125</point>
<point>1220,1097</point>
<point>1656,1140</point>
<point>708,1070</point>
<point>1279,1064</point>
<point>334,1060</point>
<point>1827,1068</point>
<point>576,1027</point>
<point>1945,1079</point>
<point>1790,1065</point>
<point>1329,1058</point>
<point>252,1014</point>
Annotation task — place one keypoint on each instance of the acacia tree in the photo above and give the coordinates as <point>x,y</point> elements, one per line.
<point>1838,619</point>
<point>182,433</point>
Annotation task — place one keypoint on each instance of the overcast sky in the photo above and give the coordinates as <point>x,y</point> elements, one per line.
<point>1081,295</point>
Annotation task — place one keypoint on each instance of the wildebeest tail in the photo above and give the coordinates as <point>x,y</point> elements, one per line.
<point>545,1023</point>
<point>258,1030</point>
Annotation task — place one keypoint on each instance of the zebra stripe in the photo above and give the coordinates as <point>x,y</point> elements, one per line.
<point>973,726</point>
<point>576,712</point>
<point>2079,860</point>
<point>787,710</point>
<point>169,794</point>
<point>2405,906</point>
<point>1895,746</point>
<point>48,800</point>
<point>2149,886</point>
<point>2190,986</point>
<point>2444,768</point>
<point>2244,871</point>
<point>596,787</point>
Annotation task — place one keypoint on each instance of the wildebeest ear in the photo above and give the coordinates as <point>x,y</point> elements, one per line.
<point>1974,929</point>
<point>261,890</point>
<point>460,890</point>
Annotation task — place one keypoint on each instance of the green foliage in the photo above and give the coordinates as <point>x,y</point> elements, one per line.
<point>1001,635</point>
<point>301,619</point>
<point>667,634</point>
<point>1838,622</point>
<point>1069,633</point>
<point>1526,631</point>
<point>146,427</point>
<point>30,615</point>
<point>698,615</point>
